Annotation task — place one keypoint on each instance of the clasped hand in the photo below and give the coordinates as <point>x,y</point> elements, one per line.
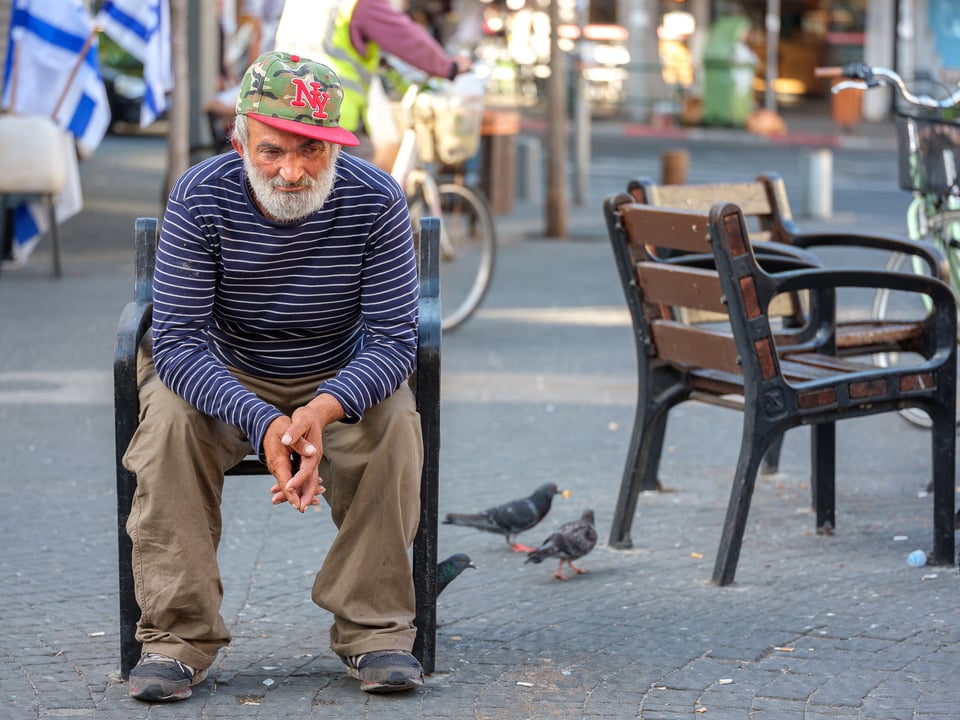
<point>293,447</point>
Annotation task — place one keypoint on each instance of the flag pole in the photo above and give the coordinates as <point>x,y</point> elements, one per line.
<point>14,71</point>
<point>73,71</point>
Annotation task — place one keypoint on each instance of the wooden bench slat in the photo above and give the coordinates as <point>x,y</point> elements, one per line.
<point>681,286</point>
<point>878,333</point>
<point>831,363</point>
<point>699,348</point>
<point>751,197</point>
<point>684,232</point>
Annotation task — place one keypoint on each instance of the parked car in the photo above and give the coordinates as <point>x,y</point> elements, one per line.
<point>125,94</point>
<point>123,79</point>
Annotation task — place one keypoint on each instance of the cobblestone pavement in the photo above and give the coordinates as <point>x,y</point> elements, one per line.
<point>537,387</point>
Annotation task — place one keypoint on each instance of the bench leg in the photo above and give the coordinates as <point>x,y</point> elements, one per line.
<point>6,229</point>
<point>752,448</point>
<point>823,464</point>
<point>54,235</point>
<point>639,474</point>
<point>126,408</point>
<point>771,459</point>
<point>425,557</point>
<point>944,452</point>
<point>129,610</point>
<point>646,449</point>
<point>425,543</point>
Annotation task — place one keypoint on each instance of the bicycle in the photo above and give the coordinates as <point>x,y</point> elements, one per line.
<point>928,153</point>
<point>442,130</point>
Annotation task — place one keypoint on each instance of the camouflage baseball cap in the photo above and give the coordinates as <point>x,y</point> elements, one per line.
<point>292,93</point>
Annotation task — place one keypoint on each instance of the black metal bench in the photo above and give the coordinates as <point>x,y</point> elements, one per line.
<point>743,362</point>
<point>774,234</point>
<point>135,321</point>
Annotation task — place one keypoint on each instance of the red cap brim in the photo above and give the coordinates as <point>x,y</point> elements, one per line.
<point>330,134</point>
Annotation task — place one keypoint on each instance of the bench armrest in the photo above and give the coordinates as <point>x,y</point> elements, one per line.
<point>772,257</point>
<point>940,329</point>
<point>935,260</point>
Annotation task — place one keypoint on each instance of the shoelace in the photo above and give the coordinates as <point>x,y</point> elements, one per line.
<point>156,657</point>
<point>354,660</point>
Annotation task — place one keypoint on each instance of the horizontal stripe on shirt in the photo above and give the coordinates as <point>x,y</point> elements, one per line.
<point>335,293</point>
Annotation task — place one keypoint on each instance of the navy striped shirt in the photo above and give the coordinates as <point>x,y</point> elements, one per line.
<point>335,292</point>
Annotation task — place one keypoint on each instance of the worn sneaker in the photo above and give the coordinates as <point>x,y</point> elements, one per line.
<point>385,671</point>
<point>158,678</point>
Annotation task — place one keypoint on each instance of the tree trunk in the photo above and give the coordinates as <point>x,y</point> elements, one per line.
<point>557,134</point>
<point>178,135</point>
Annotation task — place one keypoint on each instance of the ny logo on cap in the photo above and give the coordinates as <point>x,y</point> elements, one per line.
<point>312,95</point>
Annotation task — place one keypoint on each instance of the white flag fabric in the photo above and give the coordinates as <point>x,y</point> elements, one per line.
<point>46,39</point>
<point>142,28</point>
<point>44,71</point>
<point>30,219</point>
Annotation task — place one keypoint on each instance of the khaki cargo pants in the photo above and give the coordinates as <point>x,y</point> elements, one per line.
<point>371,471</point>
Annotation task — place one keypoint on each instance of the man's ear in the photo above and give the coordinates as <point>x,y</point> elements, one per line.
<point>236,146</point>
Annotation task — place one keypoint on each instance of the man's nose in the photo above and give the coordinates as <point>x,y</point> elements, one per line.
<point>291,169</point>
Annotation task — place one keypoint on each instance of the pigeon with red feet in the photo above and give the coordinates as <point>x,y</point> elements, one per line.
<point>569,542</point>
<point>511,518</point>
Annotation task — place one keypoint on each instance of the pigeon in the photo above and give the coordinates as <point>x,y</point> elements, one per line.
<point>449,569</point>
<point>512,517</point>
<point>569,542</point>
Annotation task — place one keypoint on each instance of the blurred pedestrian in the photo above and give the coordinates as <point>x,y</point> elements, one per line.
<point>352,36</point>
<point>244,37</point>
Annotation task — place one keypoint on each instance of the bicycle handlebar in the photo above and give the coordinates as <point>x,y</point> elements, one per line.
<point>863,77</point>
<point>832,71</point>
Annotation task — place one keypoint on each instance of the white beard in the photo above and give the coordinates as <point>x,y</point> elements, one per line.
<point>291,206</point>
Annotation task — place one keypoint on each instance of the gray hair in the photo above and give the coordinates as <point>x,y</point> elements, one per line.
<point>240,130</point>
<point>241,135</point>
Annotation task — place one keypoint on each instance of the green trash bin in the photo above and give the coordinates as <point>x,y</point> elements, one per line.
<point>729,68</point>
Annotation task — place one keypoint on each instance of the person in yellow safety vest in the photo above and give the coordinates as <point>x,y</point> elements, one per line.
<point>351,36</point>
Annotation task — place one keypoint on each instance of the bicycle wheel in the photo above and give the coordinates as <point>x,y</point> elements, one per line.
<point>468,247</point>
<point>889,305</point>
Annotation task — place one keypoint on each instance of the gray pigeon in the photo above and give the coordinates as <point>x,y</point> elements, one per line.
<point>449,569</point>
<point>512,517</point>
<point>569,542</point>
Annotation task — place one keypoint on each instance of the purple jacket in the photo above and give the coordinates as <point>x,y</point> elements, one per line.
<point>399,35</point>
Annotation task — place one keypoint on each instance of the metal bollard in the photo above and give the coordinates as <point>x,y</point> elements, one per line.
<point>673,167</point>
<point>529,169</point>
<point>819,183</point>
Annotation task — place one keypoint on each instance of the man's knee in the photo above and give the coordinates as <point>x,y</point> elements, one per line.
<point>172,428</point>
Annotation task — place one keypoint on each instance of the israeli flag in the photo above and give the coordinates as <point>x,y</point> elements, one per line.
<point>142,28</point>
<point>46,72</point>
<point>52,69</point>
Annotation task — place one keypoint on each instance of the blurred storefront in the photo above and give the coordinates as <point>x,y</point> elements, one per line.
<point>644,58</point>
<point>810,34</point>
<point>514,38</point>
<point>918,38</point>
<point>610,40</point>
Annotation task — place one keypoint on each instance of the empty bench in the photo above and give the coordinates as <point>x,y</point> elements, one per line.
<point>740,362</point>
<point>135,320</point>
<point>776,237</point>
